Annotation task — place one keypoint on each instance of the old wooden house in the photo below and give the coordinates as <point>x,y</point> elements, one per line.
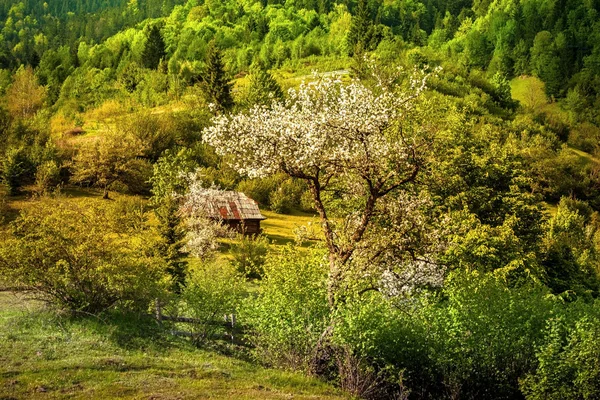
<point>236,210</point>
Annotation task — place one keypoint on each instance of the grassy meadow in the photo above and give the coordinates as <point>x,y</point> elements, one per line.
<point>44,355</point>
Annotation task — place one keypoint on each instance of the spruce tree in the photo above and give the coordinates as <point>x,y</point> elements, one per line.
<point>172,235</point>
<point>168,183</point>
<point>263,88</point>
<point>361,28</point>
<point>155,49</point>
<point>216,85</point>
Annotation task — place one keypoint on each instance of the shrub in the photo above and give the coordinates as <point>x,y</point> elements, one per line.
<point>3,205</point>
<point>249,255</point>
<point>257,189</point>
<point>290,312</point>
<point>211,292</point>
<point>68,255</point>
<point>128,215</point>
<point>279,193</point>
<point>474,340</point>
<point>15,169</point>
<point>585,137</point>
<point>287,196</point>
<point>47,177</point>
<point>569,358</point>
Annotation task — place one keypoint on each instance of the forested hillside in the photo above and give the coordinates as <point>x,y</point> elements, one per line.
<point>556,41</point>
<point>430,174</point>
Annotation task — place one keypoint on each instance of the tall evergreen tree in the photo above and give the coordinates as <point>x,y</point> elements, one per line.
<point>155,49</point>
<point>216,85</point>
<point>361,29</point>
<point>168,184</point>
<point>263,88</point>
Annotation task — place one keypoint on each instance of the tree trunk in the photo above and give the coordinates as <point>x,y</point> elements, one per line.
<point>333,282</point>
<point>105,195</point>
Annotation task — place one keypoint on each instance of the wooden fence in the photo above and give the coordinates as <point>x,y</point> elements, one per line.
<point>232,330</point>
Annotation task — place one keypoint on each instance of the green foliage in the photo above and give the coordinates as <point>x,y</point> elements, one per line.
<point>569,358</point>
<point>258,190</point>
<point>571,257</point>
<point>47,177</point>
<point>71,257</point>
<point>155,48</point>
<point>169,176</point>
<point>278,193</point>
<point>211,292</point>
<point>157,132</point>
<point>585,137</point>
<point>128,215</point>
<point>168,184</point>
<point>290,311</point>
<point>15,169</point>
<point>249,255</point>
<point>361,35</point>
<point>109,160</point>
<point>216,84</point>
<point>287,196</point>
<point>263,88</point>
<point>25,96</point>
<point>476,339</point>
<point>4,208</point>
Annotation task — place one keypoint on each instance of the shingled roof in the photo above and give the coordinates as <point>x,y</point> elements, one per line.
<point>232,206</point>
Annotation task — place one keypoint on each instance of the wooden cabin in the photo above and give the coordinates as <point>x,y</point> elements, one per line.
<point>236,210</point>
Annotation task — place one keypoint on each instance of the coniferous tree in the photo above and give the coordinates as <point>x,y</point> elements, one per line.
<point>168,184</point>
<point>155,49</point>
<point>216,85</point>
<point>172,234</point>
<point>263,88</point>
<point>361,29</point>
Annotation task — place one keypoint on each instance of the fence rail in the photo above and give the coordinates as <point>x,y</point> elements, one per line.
<point>229,323</point>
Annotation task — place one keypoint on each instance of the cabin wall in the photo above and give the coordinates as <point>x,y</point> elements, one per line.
<point>248,227</point>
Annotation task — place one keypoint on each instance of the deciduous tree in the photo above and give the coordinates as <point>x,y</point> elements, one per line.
<point>25,96</point>
<point>354,146</point>
<point>112,158</point>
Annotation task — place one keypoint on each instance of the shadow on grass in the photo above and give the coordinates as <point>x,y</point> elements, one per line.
<point>129,331</point>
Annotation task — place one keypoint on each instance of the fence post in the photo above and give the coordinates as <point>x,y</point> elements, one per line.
<point>158,308</point>
<point>232,316</point>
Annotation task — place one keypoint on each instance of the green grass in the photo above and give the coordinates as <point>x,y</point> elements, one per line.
<point>529,91</point>
<point>280,229</point>
<point>43,356</point>
<point>586,158</point>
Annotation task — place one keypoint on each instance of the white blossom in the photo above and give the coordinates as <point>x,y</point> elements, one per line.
<point>202,232</point>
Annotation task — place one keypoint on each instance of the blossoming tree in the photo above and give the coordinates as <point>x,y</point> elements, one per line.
<point>347,141</point>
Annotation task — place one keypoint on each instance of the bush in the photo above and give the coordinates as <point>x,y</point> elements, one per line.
<point>474,340</point>
<point>287,196</point>
<point>128,215</point>
<point>47,177</point>
<point>249,255</point>
<point>211,292</point>
<point>3,205</point>
<point>15,170</point>
<point>258,190</point>
<point>278,193</point>
<point>290,312</point>
<point>585,137</point>
<point>569,359</point>
<point>68,255</point>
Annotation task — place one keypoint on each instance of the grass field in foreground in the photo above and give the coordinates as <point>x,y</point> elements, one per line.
<point>45,356</point>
